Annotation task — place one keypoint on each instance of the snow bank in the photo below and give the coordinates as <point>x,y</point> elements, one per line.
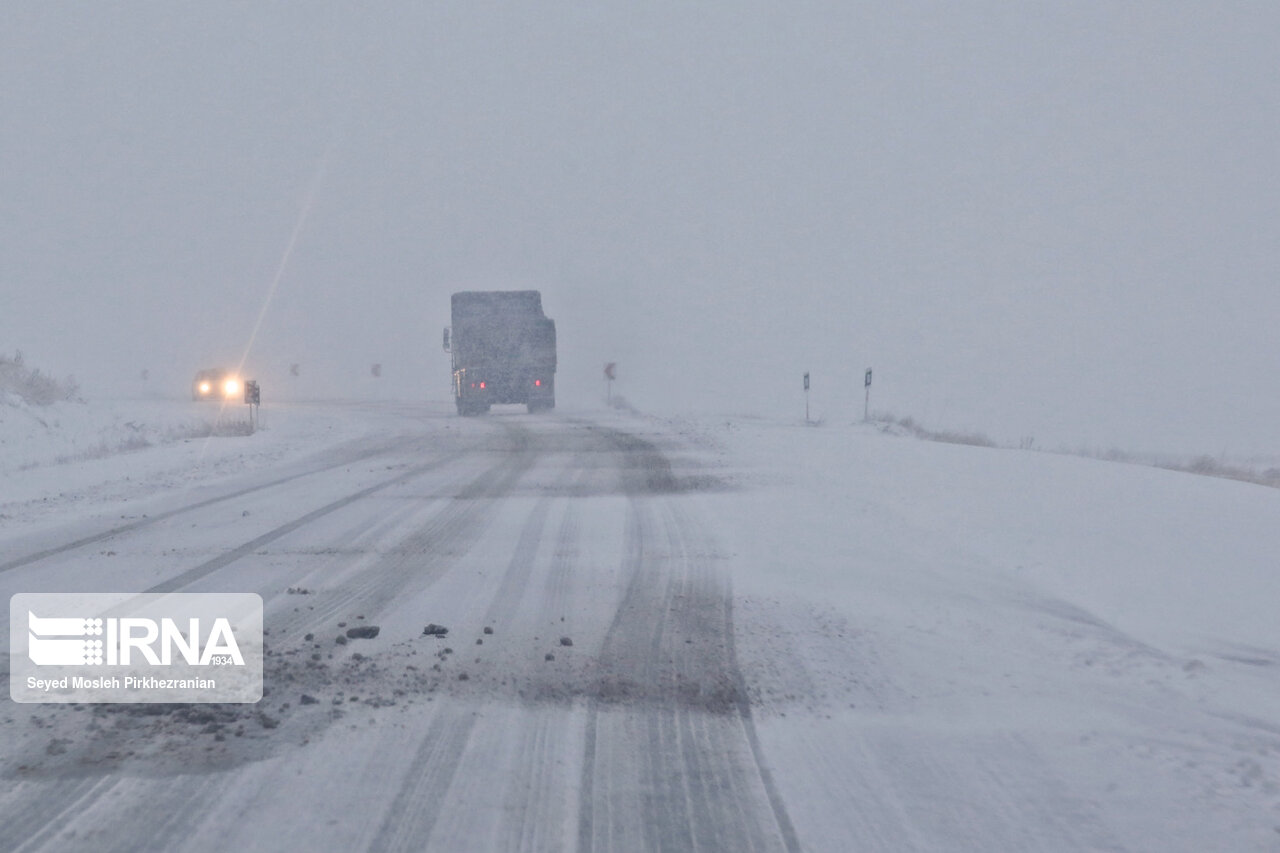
<point>104,452</point>
<point>33,436</point>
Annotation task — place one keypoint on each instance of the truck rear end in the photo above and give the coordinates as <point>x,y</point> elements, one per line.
<point>504,350</point>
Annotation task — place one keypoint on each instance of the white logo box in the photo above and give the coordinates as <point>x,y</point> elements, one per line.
<point>135,647</point>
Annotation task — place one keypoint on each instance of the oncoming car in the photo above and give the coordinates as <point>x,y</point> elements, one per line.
<point>216,384</point>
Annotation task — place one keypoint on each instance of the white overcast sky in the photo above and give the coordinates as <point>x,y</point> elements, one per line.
<point>1055,220</point>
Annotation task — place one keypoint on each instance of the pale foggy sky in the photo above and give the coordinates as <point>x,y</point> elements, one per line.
<point>1049,220</point>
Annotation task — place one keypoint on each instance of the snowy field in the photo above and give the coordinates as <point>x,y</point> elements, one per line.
<point>1050,652</point>
<point>942,647</point>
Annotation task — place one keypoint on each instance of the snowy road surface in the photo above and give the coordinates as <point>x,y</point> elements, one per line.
<point>662,635</point>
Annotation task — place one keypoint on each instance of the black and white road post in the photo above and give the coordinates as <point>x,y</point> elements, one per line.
<point>866,404</point>
<point>806,397</point>
<point>252,399</point>
<point>609,377</point>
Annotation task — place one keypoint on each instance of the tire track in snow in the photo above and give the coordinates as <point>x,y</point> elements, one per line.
<point>448,533</point>
<point>458,523</point>
<point>671,754</point>
<point>208,567</point>
<point>494,482</point>
<point>510,595</point>
<point>412,815</point>
<point>35,815</point>
<point>536,779</point>
<point>121,529</point>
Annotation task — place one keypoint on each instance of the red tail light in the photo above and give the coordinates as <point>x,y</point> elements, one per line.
<point>537,382</point>
<point>481,384</point>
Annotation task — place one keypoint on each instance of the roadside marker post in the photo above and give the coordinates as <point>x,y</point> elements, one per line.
<point>866,404</point>
<point>253,399</point>
<point>806,397</point>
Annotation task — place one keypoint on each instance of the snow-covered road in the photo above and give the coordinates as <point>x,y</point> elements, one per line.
<point>608,670</point>
<point>662,635</point>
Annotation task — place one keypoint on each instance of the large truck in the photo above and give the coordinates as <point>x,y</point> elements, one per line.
<point>504,350</point>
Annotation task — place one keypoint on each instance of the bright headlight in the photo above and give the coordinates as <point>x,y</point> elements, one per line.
<point>231,387</point>
<point>204,387</point>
